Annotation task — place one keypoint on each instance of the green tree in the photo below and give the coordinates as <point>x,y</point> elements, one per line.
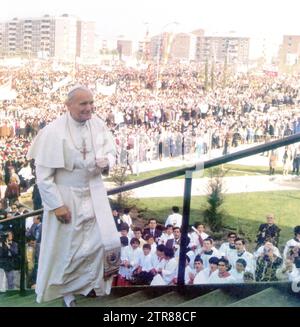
<point>213,214</point>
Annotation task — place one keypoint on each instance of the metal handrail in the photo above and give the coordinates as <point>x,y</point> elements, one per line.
<point>187,195</point>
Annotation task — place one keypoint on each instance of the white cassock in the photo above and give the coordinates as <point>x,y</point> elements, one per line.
<point>145,262</point>
<point>248,257</point>
<point>131,255</point>
<point>167,274</point>
<point>174,219</point>
<point>201,277</point>
<point>194,237</point>
<point>205,257</point>
<point>75,257</point>
<point>227,252</point>
<point>214,278</point>
<point>238,276</point>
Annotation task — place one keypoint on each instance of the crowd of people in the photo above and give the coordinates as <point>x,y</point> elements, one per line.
<point>182,118</point>
<point>150,255</point>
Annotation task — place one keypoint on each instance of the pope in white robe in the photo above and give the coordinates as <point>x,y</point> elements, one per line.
<point>80,248</point>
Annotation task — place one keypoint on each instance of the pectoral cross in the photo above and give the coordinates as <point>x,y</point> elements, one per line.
<point>84,150</point>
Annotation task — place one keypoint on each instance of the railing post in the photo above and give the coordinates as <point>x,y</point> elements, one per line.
<point>22,224</point>
<point>185,225</point>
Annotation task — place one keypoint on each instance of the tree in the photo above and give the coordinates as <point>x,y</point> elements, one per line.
<point>214,215</point>
<point>119,177</point>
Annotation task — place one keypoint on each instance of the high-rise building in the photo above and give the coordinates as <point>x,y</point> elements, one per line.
<point>63,37</point>
<point>124,48</point>
<point>183,47</point>
<point>220,48</point>
<point>290,50</point>
<point>86,32</point>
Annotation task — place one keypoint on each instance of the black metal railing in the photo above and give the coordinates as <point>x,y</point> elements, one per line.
<point>187,171</point>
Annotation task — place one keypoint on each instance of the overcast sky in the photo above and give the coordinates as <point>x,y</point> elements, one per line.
<point>259,19</point>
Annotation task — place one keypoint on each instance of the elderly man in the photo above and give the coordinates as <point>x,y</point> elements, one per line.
<point>80,247</point>
<point>268,232</point>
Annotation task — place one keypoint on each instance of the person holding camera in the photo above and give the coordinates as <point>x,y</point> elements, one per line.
<point>9,257</point>
<point>267,265</point>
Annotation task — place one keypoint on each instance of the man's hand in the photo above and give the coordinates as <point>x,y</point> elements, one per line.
<point>63,214</point>
<point>102,162</point>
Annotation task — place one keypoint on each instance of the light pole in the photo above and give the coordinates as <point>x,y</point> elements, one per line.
<point>158,53</point>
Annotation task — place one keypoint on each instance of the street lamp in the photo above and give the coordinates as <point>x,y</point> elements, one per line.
<point>158,53</point>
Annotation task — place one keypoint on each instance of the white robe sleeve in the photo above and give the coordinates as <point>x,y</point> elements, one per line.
<point>48,189</point>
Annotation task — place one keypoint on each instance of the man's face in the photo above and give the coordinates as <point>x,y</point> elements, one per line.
<point>222,267</point>
<point>137,234</point>
<point>169,230</point>
<point>176,233</point>
<point>152,224</point>
<point>81,106</point>
<point>146,251</point>
<point>213,266</point>
<point>200,228</point>
<point>207,246</point>
<point>198,265</point>
<point>231,239</point>
<point>239,245</point>
<point>239,267</point>
<point>124,232</point>
<point>135,245</point>
<point>270,220</point>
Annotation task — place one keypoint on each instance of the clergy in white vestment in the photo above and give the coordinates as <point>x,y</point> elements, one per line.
<point>80,248</point>
<point>200,277</point>
<point>208,252</point>
<point>238,271</point>
<point>292,243</point>
<point>241,253</point>
<point>221,276</point>
<point>166,275</point>
<point>227,249</point>
<point>197,237</point>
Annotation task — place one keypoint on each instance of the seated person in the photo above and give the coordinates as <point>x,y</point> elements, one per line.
<point>130,258</point>
<point>268,231</point>
<point>267,245</point>
<point>222,275</point>
<point>208,251</point>
<point>166,274</point>
<point>239,270</point>
<point>144,272</point>
<point>266,265</point>
<point>292,242</point>
<point>227,249</point>
<point>287,271</point>
<point>198,236</point>
<point>152,229</point>
<point>166,235</point>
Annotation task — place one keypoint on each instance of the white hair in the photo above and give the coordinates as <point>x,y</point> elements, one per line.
<point>76,88</point>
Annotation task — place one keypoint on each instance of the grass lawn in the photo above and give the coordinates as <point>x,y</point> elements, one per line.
<point>245,211</point>
<point>232,170</point>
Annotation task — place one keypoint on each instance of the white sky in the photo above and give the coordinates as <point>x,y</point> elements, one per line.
<point>259,19</point>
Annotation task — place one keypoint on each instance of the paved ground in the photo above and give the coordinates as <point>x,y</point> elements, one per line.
<point>238,184</point>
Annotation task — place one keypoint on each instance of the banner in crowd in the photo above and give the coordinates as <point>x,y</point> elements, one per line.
<point>6,92</point>
<point>106,89</point>
<point>57,85</point>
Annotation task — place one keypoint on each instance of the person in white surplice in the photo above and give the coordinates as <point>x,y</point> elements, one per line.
<point>80,248</point>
